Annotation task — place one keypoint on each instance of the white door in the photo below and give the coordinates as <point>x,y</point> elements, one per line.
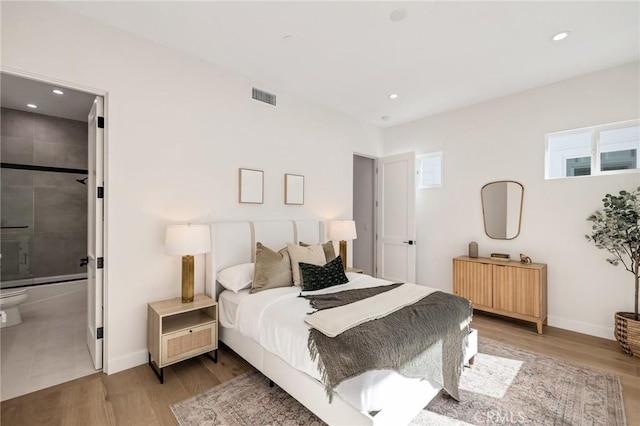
<point>95,232</point>
<point>396,221</point>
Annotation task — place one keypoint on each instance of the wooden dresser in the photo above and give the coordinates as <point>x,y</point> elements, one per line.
<point>511,289</point>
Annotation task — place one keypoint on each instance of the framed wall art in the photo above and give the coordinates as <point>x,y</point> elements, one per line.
<point>251,184</point>
<point>293,189</point>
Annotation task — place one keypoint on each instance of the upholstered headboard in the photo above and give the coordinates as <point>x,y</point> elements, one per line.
<point>235,242</point>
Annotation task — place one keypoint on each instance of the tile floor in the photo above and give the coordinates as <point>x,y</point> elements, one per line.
<point>49,347</point>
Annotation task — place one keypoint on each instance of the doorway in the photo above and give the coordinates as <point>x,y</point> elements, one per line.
<point>44,216</point>
<point>364,213</point>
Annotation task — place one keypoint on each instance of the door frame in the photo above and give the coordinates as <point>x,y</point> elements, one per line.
<point>105,95</point>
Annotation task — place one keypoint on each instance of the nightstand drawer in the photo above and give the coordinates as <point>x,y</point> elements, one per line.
<point>189,342</point>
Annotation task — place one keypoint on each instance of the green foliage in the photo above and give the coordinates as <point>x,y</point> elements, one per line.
<point>617,229</point>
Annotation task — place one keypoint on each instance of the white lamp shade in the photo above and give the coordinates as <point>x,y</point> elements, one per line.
<point>342,230</point>
<point>186,240</point>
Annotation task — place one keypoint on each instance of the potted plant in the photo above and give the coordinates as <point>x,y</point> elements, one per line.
<point>617,229</point>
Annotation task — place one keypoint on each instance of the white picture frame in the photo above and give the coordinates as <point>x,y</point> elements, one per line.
<point>251,186</point>
<point>293,189</point>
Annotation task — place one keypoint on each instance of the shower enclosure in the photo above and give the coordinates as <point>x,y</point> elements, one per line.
<point>43,210</point>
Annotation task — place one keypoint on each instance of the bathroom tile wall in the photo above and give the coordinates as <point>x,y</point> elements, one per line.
<point>53,205</point>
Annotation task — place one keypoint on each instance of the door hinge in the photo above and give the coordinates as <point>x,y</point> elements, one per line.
<point>101,192</point>
<point>99,333</point>
<point>100,122</point>
<point>376,203</point>
<point>100,263</point>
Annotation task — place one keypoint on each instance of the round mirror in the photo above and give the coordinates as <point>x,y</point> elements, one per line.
<point>502,209</point>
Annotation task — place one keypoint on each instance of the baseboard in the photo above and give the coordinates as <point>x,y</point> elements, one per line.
<point>582,327</point>
<point>115,365</point>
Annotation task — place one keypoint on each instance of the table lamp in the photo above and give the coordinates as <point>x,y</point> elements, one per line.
<point>186,241</point>
<point>343,231</point>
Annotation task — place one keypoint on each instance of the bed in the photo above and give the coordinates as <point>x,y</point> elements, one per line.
<point>277,348</point>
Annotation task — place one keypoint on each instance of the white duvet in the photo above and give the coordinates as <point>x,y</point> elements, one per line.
<point>275,319</point>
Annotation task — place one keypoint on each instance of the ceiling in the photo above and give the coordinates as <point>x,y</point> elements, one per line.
<point>17,92</point>
<point>349,56</point>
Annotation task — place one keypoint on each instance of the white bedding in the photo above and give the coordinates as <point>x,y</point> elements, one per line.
<point>228,307</point>
<point>275,319</point>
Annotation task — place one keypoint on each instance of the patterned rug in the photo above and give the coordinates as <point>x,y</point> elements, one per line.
<point>505,386</point>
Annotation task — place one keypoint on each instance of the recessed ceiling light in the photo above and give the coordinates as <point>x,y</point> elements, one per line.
<point>398,15</point>
<point>32,106</point>
<point>287,38</point>
<point>58,92</point>
<point>393,96</point>
<point>385,118</point>
<point>560,36</point>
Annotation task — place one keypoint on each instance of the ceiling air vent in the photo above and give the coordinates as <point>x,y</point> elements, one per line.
<point>262,96</point>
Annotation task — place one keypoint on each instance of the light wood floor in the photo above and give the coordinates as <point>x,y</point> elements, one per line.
<point>135,397</point>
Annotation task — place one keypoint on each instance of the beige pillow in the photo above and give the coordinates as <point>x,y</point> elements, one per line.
<point>272,269</point>
<point>329,251</point>
<point>310,254</point>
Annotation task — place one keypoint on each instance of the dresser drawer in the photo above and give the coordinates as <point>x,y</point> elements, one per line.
<point>189,342</point>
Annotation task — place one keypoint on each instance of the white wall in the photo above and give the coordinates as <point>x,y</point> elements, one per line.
<point>504,139</point>
<point>178,129</point>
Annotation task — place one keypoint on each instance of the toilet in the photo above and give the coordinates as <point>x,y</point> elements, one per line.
<point>9,301</point>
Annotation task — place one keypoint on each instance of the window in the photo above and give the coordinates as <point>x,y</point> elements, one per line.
<point>598,150</point>
<point>429,170</point>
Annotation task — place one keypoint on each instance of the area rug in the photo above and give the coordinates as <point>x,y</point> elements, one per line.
<point>505,386</point>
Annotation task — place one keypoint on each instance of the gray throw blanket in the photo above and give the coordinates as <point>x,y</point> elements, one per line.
<point>422,340</point>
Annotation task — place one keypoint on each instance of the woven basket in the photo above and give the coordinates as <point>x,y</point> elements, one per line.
<point>628,333</point>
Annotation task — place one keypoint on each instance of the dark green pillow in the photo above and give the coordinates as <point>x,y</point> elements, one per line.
<point>316,277</point>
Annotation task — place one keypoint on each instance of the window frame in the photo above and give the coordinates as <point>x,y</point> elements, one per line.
<point>595,152</point>
<point>419,158</point>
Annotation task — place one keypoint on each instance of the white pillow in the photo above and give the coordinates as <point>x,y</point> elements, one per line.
<point>309,254</point>
<point>237,277</point>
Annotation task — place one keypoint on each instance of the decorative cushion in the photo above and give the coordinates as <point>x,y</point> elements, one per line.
<point>318,277</point>
<point>329,251</point>
<point>237,277</point>
<point>310,254</point>
<point>273,269</point>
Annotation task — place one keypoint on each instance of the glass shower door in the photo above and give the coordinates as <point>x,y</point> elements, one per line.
<point>17,231</point>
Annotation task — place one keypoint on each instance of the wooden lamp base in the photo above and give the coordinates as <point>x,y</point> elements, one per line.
<point>187,279</point>
<point>343,253</point>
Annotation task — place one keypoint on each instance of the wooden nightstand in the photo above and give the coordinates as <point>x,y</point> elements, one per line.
<point>177,331</point>
<point>356,270</point>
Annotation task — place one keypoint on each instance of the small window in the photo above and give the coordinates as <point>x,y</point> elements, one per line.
<point>429,170</point>
<point>606,149</point>
<point>578,166</point>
